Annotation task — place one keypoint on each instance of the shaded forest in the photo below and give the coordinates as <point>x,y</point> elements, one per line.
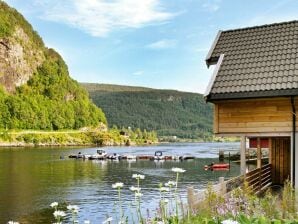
<point>169,112</point>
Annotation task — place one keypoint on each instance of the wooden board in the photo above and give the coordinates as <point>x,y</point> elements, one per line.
<point>280,159</point>
<point>271,115</point>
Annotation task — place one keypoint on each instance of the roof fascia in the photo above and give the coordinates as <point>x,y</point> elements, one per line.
<point>211,81</point>
<point>212,48</point>
<point>251,95</point>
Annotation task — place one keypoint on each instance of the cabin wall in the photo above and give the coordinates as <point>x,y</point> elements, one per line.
<point>266,115</point>
<point>280,159</point>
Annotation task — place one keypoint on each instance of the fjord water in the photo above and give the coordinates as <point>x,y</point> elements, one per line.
<point>32,178</point>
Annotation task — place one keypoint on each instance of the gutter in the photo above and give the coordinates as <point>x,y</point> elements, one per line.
<point>294,137</point>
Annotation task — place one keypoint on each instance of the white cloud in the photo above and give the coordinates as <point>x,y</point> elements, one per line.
<point>162,44</point>
<point>211,5</point>
<point>100,17</point>
<point>140,72</point>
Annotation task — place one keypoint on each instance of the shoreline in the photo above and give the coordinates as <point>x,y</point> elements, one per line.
<point>32,145</point>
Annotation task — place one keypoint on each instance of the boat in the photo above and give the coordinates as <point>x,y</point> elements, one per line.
<point>114,156</point>
<point>158,156</point>
<point>186,157</point>
<point>129,157</point>
<point>145,157</point>
<point>217,166</point>
<point>100,155</point>
<point>76,156</point>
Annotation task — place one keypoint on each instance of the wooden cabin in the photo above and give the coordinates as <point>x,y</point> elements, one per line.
<point>254,89</point>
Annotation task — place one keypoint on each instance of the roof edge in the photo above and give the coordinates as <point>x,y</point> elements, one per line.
<point>250,95</point>
<point>211,81</point>
<point>260,26</point>
<point>208,57</point>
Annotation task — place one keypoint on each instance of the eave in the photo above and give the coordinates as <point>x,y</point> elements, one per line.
<point>250,95</point>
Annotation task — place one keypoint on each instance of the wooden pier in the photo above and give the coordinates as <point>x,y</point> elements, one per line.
<point>258,181</point>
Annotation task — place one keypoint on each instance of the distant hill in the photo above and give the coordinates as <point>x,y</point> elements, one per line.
<point>36,91</point>
<point>169,112</point>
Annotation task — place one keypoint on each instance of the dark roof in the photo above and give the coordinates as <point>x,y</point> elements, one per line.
<point>259,61</point>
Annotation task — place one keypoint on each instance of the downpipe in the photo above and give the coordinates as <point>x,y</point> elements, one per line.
<point>294,136</point>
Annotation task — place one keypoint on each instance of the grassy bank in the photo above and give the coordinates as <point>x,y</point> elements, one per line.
<point>112,137</point>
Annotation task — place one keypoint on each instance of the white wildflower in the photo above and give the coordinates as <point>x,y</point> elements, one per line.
<point>165,201</point>
<point>138,194</point>
<point>164,189</point>
<point>178,170</point>
<point>12,222</point>
<point>229,221</point>
<point>73,208</point>
<point>160,222</point>
<point>108,220</point>
<point>170,183</point>
<point>87,222</point>
<point>59,214</point>
<point>121,222</point>
<point>54,204</point>
<point>117,185</point>
<point>135,189</point>
<point>138,176</point>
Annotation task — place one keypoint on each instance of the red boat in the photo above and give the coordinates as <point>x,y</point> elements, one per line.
<point>218,166</point>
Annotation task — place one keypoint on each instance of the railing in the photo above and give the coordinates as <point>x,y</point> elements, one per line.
<point>258,180</point>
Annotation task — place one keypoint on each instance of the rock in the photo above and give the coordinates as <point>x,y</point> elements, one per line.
<point>18,60</point>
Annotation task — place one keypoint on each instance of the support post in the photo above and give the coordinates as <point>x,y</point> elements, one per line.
<point>259,153</point>
<point>242,155</point>
<point>270,150</point>
<point>190,197</point>
<point>223,188</point>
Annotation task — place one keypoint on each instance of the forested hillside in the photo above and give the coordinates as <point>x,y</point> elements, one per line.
<point>169,112</point>
<point>36,91</point>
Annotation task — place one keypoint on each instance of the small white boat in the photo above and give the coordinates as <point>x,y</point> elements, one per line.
<point>114,156</point>
<point>129,157</point>
<point>76,156</point>
<point>86,156</point>
<point>176,157</point>
<point>100,155</point>
<point>158,156</point>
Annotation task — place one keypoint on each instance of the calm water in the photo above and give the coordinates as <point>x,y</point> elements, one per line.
<point>32,178</point>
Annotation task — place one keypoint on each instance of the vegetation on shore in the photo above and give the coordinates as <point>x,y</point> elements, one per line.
<point>172,114</point>
<point>86,136</point>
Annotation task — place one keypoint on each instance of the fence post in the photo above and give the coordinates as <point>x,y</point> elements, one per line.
<point>223,187</point>
<point>190,197</point>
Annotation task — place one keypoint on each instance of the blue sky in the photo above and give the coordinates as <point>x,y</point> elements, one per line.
<point>152,43</point>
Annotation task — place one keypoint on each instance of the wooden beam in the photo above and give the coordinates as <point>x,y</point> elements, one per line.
<point>250,134</point>
<point>259,153</point>
<point>242,155</point>
<point>270,150</point>
<point>215,119</point>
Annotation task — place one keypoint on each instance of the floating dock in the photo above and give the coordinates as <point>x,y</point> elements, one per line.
<point>158,156</point>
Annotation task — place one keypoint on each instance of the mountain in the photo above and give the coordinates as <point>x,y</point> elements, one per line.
<point>36,91</point>
<point>169,112</point>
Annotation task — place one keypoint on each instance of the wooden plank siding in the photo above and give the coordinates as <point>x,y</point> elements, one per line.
<point>280,151</point>
<point>266,115</point>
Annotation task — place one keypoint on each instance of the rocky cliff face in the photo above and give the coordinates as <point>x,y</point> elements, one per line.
<point>18,60</point>
<point>36,91</point>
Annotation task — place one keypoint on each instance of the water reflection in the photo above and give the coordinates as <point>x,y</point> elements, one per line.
<point>30,179</point>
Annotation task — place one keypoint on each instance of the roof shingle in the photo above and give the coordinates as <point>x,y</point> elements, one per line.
<point>259,59</point>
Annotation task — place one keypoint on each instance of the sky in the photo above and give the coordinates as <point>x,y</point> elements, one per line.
<point>151,43</point>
